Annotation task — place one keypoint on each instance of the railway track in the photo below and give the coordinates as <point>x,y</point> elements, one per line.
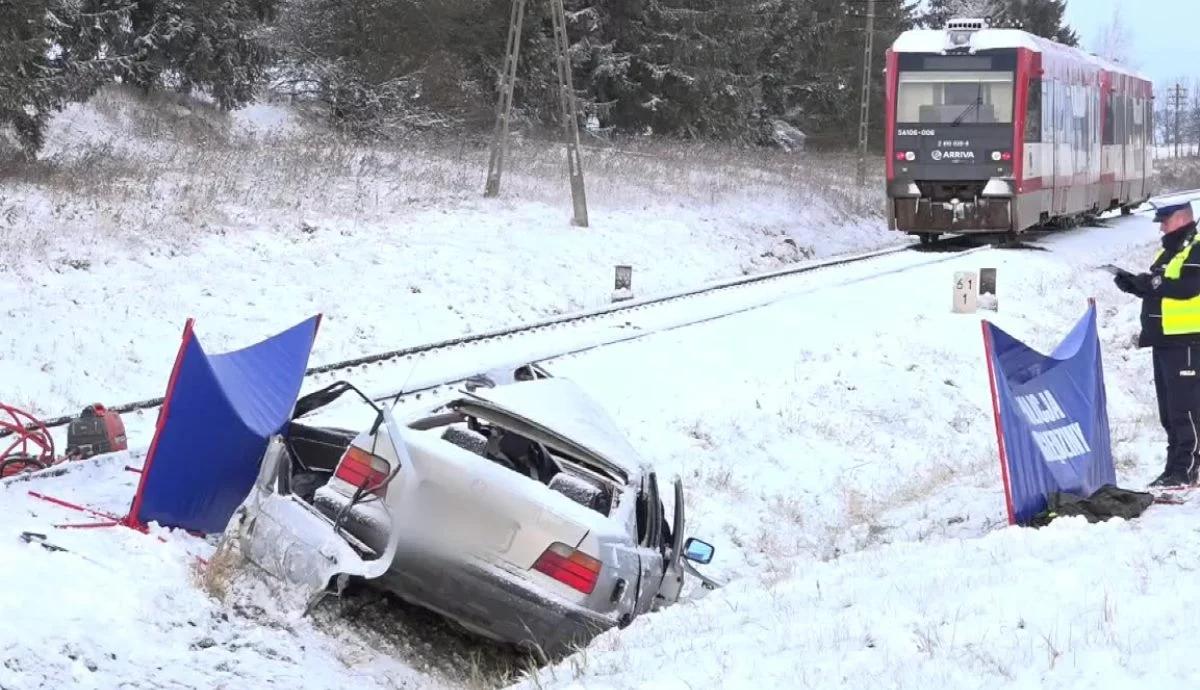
<point>939,251</point>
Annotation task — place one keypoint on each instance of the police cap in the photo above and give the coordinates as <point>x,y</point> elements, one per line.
<point>1162,213</point>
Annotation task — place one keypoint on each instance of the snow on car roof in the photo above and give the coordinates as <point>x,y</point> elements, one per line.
<point>563,408</point>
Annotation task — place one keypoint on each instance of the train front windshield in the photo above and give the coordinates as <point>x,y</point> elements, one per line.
<point>955,98</point>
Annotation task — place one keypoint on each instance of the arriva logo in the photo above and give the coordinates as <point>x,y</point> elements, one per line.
<point>953,155</point>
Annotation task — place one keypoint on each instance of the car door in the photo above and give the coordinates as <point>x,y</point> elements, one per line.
<point>672,582</point>
<point>650,556</point>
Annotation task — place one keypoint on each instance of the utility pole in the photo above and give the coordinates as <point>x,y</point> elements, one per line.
<point>1178,98</point>
<point>570,115</point>
<point>865,109</point>
<point>508,78</point>
<point>566,91</point>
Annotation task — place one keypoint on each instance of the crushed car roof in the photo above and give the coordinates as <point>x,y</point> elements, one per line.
<point>563,408</point>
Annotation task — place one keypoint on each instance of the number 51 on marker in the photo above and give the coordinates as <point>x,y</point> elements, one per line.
<point>966,292</point>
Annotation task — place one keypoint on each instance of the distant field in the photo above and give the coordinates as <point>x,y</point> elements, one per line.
<point>135,169</point>
<point>1174,174</point>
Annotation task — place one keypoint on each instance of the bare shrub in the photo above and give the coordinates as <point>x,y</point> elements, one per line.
<point>1176,174</point>
<point>165,170</point>
<point>218,574</point>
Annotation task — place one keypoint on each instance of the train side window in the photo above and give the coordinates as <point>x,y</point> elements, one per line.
<point>1048,111</point>
<point>1122,136</point>
<point>1139,133</point>
<point>1131,121</point>
<point>1033,112</point>
<point>1063,101</point>
<point>1151,135</point>
<point>1109,121</point>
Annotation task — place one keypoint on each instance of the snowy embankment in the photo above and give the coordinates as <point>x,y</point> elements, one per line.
<point>842,458</point>
<point>837,446</point>
<point>143,214</point>
<point>1108,606</point>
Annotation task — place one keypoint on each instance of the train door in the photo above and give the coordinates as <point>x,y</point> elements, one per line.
<point>1137,147</point>
<point>1063,149</point>
<point>1148,154</point>
<point>1096,157</point>
<point>1048,150</point>
<point>1121,131</point>
<point>1056,142</point>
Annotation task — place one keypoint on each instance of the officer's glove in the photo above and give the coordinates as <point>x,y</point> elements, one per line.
<point>1137,285</point>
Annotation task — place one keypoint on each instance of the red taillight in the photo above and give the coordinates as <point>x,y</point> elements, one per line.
<point>899,155</point>
<point>1006,156</point>
<point>363,470</point>
<point>569,566</point>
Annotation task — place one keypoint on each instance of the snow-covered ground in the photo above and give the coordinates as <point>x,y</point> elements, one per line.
<point>142,214</point>
<point>836,442</point>
<point>842,458</point>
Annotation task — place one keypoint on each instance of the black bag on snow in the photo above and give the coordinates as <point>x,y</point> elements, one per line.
<point>1107,502</point>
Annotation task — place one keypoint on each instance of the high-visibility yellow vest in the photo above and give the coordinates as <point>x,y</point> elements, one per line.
<point>1180,316</point>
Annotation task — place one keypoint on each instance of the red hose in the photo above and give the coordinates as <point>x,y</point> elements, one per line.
<point>27,445</point>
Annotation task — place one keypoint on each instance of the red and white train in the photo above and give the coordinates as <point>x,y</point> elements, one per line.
<point>998,131</point>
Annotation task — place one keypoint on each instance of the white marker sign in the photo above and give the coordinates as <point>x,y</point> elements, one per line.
<point>966,292</point>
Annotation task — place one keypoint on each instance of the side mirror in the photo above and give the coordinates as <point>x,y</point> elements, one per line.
<point>698,551</point>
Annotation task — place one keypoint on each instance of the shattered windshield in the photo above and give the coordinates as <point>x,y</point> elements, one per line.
<point>955,98</point>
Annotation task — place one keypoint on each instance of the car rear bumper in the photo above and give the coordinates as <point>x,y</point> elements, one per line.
<point>492,602</point>
<point>483,598</point>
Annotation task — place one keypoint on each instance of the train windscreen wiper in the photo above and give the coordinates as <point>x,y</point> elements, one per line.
<point>970,108</point>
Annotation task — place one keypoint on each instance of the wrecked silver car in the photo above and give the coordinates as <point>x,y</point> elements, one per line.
<point>517,511</point>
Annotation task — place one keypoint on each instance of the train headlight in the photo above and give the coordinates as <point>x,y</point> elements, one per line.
<point>910,156</point>
<point>996,156</point>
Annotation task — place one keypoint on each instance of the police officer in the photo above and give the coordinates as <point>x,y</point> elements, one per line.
<point>1170,294</point>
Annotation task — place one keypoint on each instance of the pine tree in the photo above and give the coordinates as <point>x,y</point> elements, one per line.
<point>812,65</point>
<point>698,71</point>
<point>378,64</point>
<point>90,37</point>
<point>601,33</point>
<point>29,91</point>
<point>1044,18</point>
<point>213,45</point>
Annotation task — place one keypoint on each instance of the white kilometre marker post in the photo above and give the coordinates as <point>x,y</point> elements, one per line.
<point>966,292</point>
<point>623,284</point>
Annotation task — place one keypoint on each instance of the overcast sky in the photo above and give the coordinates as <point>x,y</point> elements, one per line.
<point>1165,34</point>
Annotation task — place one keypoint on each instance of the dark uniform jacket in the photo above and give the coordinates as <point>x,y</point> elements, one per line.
<point>1186,286</point>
